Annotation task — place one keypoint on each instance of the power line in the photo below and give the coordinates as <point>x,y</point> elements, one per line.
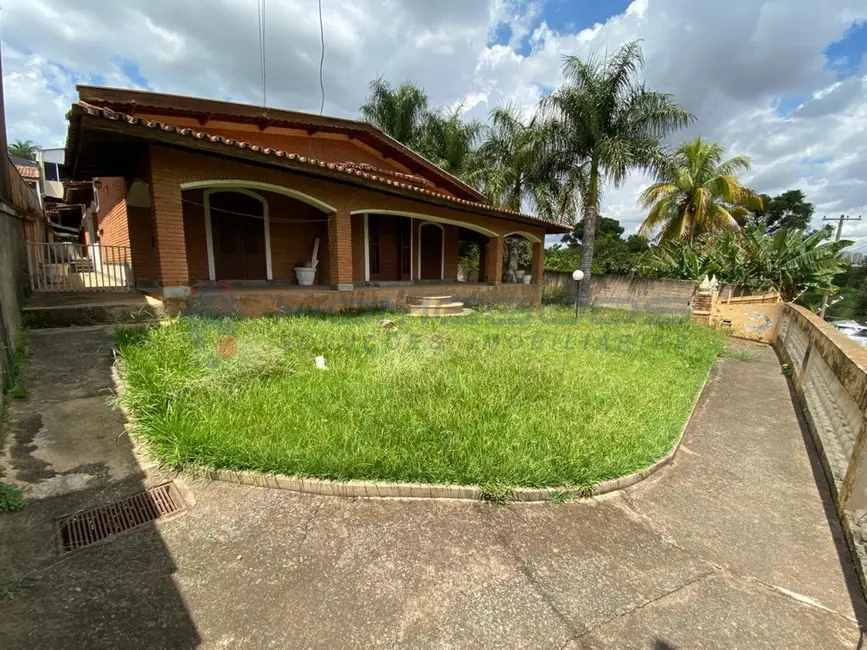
<point>260,7</point>
<point>321,58</point>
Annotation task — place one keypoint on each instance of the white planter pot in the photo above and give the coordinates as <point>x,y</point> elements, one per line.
<point>305,275</point>
<point>527,279</point>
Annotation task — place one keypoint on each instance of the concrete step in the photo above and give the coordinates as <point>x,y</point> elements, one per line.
<point>428,301</point>
<point>448,309</point>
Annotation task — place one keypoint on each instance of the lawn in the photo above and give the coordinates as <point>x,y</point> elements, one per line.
<point>506,398</point>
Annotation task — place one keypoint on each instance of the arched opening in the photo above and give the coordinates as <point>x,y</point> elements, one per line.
<point>517,258</point>
<point>431,251</point>
<point>237,235</point>
<point>472,249</point>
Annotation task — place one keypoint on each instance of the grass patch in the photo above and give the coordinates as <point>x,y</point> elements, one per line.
<point>740,354</point>
<point>10,498</point>
<point>506,398</point>
<point>13,379</point>
<point>9,588</point>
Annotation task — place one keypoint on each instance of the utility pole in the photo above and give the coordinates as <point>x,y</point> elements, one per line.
<point>840,220</point>
<point>5,189</point>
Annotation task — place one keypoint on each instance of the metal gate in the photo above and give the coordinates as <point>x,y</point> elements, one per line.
<point>66,266</point>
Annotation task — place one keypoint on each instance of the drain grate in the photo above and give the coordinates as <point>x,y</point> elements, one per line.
<point>84,528</point>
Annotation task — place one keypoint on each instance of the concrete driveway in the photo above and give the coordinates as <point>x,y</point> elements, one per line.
<point>735,545</point>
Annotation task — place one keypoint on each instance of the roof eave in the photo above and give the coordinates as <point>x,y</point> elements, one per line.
<point>79,120</point>
<point>95,94</point>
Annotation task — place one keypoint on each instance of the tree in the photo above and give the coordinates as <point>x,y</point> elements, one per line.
<point>400,112</point>
<point>23,149</point>
<point>509,166</point>
<point>789,210</point>
<point>787,261</point>
<point>697,192</point>
<point>613,255</point>
<point>448,141</point>
<point>604,124</point>
<point>562,258</point>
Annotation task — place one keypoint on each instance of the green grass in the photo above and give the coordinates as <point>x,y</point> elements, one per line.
<point>744,355</point>
<point>10,498</point>
<point>508,398</point>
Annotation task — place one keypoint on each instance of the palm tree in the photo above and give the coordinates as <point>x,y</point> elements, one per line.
<point>509,167</point>
<point>23,149</point>
<point>448,141</point>
<point>698,192</point>
<point>604,124</point>
<point>400,112</point>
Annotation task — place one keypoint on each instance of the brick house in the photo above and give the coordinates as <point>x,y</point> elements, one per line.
<point>212,195</point>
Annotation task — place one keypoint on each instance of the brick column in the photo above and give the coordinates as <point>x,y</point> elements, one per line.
<point>167,218</point>
<point>537,266</point>
<point>340,250</point>
<point>494,261</point>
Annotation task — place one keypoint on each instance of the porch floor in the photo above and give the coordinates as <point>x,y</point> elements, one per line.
<point>75,299</point>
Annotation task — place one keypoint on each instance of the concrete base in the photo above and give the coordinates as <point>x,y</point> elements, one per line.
<point>259,301</point>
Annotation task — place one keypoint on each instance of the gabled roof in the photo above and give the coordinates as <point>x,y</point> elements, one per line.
<point>27,168</point>
<point>183,136</point>
<point>131,102</point>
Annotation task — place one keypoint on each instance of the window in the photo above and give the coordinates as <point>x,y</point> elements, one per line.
<point>54,172</point>
<point>51,171</point>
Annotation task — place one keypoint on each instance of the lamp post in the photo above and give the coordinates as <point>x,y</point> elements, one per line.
<point>577,275</point>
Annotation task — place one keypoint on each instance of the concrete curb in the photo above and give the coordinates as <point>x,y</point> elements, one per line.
<point>375,490</point>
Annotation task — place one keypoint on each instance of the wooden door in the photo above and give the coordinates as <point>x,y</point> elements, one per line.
<point>431,244</point>
<point>238,232</point>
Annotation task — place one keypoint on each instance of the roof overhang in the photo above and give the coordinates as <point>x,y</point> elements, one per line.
<point>103,143</point>
<point>132,102</point>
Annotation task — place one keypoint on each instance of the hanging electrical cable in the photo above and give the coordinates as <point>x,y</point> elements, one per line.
<point>321,59</point>
<point>260,6</point>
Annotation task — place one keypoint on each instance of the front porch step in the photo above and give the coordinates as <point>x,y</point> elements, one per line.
<point>447,309</point>
<point>428,301</point>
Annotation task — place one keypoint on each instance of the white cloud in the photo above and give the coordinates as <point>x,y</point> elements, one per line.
<point>731,62</point>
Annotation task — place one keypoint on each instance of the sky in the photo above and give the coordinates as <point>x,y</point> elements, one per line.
<point>782,81</point>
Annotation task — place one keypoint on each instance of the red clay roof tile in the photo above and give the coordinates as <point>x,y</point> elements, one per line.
<point>394,179</point>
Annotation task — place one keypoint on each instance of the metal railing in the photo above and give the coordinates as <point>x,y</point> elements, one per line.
<point>67,266</point>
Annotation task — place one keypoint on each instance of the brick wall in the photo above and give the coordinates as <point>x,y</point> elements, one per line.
<point>112,223</point>
<point>623,292</point>
<point>169,168</point>
<point>194,235</point>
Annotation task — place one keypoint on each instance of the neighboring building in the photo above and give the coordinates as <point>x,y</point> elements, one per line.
<point>53,174</point>
<point>29,171</point>
<point>203,190</point>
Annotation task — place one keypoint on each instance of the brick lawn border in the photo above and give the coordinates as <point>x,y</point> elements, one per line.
<point>386,490</point>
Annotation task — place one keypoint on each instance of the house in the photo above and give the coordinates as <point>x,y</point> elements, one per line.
<point>29,172</point>
<point>218,196</point>
<point>50,163</point>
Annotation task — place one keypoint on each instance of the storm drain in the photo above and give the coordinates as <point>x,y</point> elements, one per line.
<point>84,528</point>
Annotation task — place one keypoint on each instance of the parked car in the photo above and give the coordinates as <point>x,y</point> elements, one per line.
<point>853,329</point>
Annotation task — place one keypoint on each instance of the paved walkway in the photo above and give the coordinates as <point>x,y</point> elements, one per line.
<point>735,545</point>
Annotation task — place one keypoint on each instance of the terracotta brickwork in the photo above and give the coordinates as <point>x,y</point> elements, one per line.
<point>170,168</point>
<point>194,235</point>
<point>112,221</point>
<point>142,246</point>
<point>165,170</point>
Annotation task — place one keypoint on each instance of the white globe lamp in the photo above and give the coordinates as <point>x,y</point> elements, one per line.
<point>577,275</point>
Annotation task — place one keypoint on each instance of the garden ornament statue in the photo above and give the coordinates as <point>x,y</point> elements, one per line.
<point>514,247</point>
